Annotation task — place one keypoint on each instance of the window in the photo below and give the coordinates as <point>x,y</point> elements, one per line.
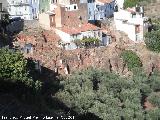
<point>75,7</point>
<point>124,21</point>
<point>99,34</point>
<point>0,6</point>
<point>110,6</point>
<point>137,28</point>
<point>9,9</point>
<point>133,15</point>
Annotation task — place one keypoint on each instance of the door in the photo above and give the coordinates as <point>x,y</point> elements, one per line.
<point>52,20</point>
<point>0,6</point>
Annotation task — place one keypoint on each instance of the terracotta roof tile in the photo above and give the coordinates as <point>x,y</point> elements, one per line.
<point>105,1</point>
<point>82,28</point>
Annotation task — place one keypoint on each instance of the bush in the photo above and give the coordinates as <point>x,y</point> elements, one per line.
<point>152,40</point>
<point>90,42</point>
<point>153,114</point>
<point>131,59</point>
<point>132,3</point>
<point>154,98</point>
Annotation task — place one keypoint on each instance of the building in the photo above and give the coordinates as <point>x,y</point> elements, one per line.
<point>132,22</point>
<point>71,13</point>
<point>3,8</point>
<point>119,4</point>
<point>100,9</point>
<point>44,6</point>
<point>26,9</point>
<point>68,35</point>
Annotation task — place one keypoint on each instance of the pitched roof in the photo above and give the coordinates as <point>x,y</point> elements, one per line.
<point>82,28</point>
<point>131,10</point>
<point>105,1</point>
<point>70,31</point>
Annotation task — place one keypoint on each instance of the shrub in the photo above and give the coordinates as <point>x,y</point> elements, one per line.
<point>152,40</point>
<point>130,3</point>
<point>131,59</point>
<point>154,98</point>
<point>89,42</point>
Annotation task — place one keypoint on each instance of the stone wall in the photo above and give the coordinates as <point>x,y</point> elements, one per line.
<point>72,18</point>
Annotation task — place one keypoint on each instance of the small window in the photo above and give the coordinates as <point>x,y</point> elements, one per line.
<point>99,34</point>
<point>75,7</point>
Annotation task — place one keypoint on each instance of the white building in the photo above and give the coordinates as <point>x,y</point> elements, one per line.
<point>68,35</point>
<point>26,9</point>
<point>100,9</point>
<point>119,4</point>
<point>132,22</point>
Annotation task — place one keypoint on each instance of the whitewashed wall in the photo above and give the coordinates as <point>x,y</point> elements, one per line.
<point>120,3</point>
<point>64,36</point>
<point>27,12</point>
<point>130,25</point>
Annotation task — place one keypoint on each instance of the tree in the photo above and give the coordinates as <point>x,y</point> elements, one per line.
<point>13,68</point>
<point>104,94</point>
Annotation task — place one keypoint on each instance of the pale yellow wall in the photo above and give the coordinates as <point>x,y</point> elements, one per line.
<point>44,20</point>
<point>58,17</point>
<point>64,2</point>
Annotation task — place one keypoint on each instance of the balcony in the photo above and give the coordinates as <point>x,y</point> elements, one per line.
<point>22,3</point>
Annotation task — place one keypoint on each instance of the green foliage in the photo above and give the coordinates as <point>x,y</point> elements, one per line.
<point>13,65</point>
<point>130,3</point>
<point>90,42</point>
<point>152,40</point>
<point>153,114</point>
<point>131,59</point>
<point>133,3</point>
<point>104,94</point>
<point>87,42</point>
<point>154,98</point>
<point>109,96</point>
<point>13,68</point>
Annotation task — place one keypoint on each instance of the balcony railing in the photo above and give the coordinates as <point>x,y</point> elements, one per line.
<point>20,3</point>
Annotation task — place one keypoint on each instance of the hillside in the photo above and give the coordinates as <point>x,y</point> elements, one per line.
<point>152,8</point>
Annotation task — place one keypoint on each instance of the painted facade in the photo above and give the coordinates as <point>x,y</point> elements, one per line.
<point>132,23</point>
<point>26,9</point>
<point>100,10</point>
<point>44,6</point>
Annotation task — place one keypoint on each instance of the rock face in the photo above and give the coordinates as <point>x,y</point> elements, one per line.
<point>106,58</point>
<point>152,8</point>
<point>65,62</point>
